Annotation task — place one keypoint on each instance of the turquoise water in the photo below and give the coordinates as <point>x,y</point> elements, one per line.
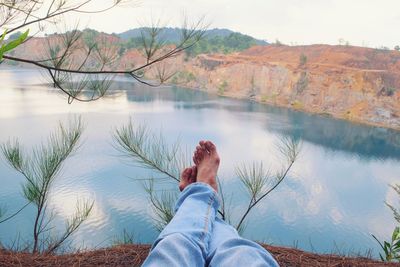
<point>332,201</point>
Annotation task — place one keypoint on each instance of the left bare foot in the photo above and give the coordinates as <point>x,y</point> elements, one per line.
<point>188,177</point>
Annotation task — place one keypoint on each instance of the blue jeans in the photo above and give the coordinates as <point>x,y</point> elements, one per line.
<point>196,237</point>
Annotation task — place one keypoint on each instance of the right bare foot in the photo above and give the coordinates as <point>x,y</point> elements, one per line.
<point>207,161</point>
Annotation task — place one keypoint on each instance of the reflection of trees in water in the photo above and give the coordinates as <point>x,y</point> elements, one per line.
<point>141,93</point>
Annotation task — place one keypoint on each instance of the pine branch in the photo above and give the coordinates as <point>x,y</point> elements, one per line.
<point>259,183</point>
<point>40,169</point>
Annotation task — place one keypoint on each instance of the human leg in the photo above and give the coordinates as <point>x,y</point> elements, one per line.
<point>184,241</point>
<point>227,248</point>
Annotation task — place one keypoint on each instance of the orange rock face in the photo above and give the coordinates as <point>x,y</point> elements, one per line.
<point>359,84</point>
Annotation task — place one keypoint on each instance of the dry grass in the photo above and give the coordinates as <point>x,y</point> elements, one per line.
<point>134,255</point>
<point>295,257</point>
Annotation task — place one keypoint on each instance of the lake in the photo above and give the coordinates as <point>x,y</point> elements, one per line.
<point>332,200</point>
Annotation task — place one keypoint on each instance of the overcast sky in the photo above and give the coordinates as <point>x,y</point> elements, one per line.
<point>372,23</point>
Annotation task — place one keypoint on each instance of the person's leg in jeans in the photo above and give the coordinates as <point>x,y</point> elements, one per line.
<point>227,248</point>
<point>195,237</point>
<point>184,241</point>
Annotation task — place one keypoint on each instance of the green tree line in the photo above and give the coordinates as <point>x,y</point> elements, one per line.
<point>233,42</point>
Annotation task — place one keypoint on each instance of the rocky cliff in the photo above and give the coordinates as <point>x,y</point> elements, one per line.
<point>354,83</point>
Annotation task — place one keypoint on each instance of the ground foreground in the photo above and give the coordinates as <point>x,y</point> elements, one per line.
<point>134,255</point>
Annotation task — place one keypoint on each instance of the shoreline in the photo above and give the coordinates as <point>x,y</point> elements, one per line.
<point>290,107</point>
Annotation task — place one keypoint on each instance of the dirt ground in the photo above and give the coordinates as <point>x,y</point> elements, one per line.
<point>134,255</point>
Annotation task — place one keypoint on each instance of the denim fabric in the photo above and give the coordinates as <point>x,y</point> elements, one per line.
<point>196,237</point>
<point>227,248</point>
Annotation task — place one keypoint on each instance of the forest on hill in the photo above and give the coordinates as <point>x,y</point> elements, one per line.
<point>215,40</point>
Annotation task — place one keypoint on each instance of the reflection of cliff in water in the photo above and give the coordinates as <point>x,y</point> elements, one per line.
<point>365,141</point>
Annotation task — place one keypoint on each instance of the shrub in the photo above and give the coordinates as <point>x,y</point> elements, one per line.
<point>302,83</point>
<point>387,91</point>
<point>297,104</point>
<point>264,98</point>
<point>392,250</point>
<point>183,76</point>
<point>303,59</point>
<point>222,87</point>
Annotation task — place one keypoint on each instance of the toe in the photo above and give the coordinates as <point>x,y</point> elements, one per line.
<point>198,155</point>
<point>186,174</point>
<point>189,172</point>
<point>195,157</point>
<point>193,175</point>
<point>185,177</point>
<point>210,146</point>
<point>203,146</point>
<point>201,153</point>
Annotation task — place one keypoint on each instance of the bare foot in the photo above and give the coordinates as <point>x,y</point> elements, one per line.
<point>207,161</point>
<point>188,177</point>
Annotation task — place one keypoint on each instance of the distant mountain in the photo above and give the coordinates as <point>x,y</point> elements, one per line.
<point>173,34</point>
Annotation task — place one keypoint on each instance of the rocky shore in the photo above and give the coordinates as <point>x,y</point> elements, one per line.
<point>352,83</point>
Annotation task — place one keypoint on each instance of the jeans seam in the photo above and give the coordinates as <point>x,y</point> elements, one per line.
<point>206,219</point>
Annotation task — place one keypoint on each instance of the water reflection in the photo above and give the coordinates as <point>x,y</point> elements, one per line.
<point>335,192</point>
<point>365,141</point>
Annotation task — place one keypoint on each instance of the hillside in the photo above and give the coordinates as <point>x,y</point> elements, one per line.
<point>354,83</point>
